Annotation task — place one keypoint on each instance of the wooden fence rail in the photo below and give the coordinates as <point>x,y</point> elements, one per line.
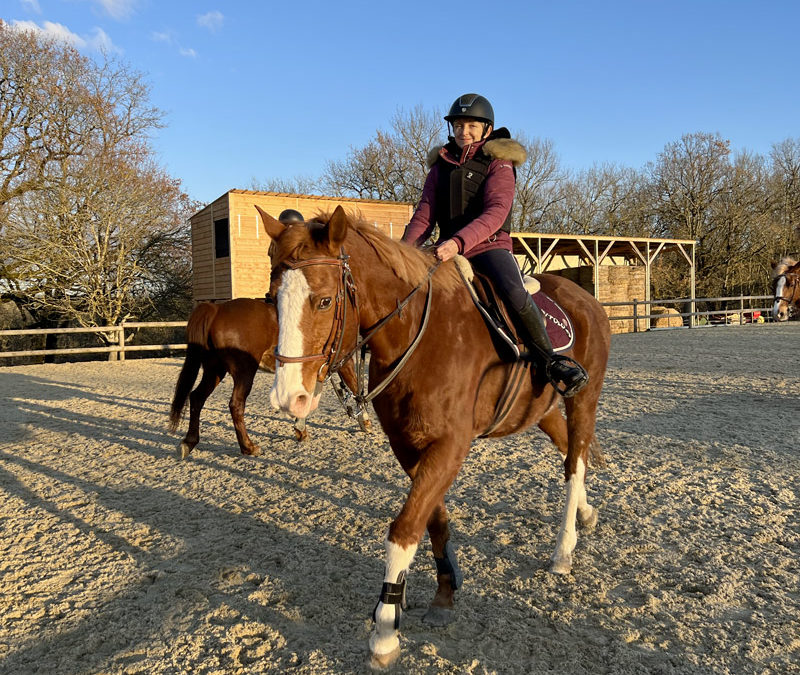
<point>119,344</point>
<point>115,335</point>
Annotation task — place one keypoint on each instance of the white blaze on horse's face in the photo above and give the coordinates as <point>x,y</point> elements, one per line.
<point>777,314</point>
<point>288,391</point>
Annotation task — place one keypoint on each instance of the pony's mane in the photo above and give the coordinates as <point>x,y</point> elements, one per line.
<point>783,266</point>
<point>406,262</point>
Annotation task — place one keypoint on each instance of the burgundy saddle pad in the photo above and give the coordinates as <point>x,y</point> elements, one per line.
<point>558,324</point>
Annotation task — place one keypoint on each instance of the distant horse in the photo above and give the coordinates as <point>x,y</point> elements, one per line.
<point>236,337</point>
<point>444,382</point>
<point>786,281</point>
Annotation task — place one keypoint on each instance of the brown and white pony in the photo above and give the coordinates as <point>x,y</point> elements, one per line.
<point>420,316</point>
<point>237,337</point>
<point>786,281</point>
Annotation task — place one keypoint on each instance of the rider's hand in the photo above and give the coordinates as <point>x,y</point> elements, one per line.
<point>446,250</point>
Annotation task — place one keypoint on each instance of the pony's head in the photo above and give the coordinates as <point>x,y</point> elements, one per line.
<point>786,283</point>
<point>309,281</point>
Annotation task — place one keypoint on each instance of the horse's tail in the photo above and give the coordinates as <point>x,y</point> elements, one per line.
<point>197,329</point>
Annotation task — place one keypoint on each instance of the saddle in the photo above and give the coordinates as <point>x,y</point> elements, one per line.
<point>504,332</point>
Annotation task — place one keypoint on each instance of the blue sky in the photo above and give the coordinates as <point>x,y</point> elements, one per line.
<point>261,90</point>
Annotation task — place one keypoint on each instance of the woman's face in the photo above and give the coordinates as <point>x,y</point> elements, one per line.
<point>468,130</point>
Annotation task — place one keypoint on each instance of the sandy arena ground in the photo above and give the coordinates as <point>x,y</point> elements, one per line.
<point>115,557</point>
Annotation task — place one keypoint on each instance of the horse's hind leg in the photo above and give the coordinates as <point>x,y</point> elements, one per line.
<point>197,399</point>
<point>448,575</point>
<point>580,424</point>
<point>555,426</point>
<point>242,385</point>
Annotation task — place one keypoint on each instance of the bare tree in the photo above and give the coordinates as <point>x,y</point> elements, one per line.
<point>54,102</point>
<point>98,248</point>
<point>299,185</point>
<point>784,184</point>
<point>393,164</point>
<point>597,201</point>
<point>539,189</point>
<point>93,231</point>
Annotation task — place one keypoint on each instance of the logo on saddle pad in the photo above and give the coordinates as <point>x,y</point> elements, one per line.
<point>558,324</point>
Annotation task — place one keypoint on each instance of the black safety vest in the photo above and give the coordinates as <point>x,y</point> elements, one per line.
<point>459,193</point>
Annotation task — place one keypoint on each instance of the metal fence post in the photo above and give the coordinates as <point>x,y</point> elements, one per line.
<point>635,319</point>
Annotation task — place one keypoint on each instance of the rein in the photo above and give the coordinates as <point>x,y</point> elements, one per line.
<point>358,352</point>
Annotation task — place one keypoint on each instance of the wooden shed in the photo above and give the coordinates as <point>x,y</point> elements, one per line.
<point>229,245</point>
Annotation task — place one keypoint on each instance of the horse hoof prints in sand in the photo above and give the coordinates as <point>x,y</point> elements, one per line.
<point>436,380</point>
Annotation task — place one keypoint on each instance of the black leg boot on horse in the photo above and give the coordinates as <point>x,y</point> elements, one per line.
<point>557,368</point>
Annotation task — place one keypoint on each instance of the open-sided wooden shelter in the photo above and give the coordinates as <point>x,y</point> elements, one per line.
<point>230,248</point>
<point>613,269</point>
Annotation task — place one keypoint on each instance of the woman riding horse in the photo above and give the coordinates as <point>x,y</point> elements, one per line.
<point>468,193</point>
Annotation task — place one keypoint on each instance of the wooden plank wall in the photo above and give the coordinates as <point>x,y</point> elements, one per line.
<point>211,276</point>
<point>250,244</point>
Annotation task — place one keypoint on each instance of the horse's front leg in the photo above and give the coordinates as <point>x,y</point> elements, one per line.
<point>581,421</point>
<point>431,479</point>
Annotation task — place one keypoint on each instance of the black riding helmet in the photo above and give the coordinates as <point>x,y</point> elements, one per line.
<point>291,216</point>
<point>471,105</point>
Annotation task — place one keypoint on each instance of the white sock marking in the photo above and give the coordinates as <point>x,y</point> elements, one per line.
<point>576,496</point>
<point>384,637</point>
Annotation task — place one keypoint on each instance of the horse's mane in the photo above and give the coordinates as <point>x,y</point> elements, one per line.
<point>406,262</point>
<point>783,266</point>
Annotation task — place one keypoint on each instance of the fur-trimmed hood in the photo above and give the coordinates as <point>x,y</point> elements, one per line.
<point>499,146</point>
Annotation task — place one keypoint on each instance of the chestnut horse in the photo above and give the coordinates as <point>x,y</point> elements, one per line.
<point>439,378</point>
<point>786,280</point>
<point>237,337</point>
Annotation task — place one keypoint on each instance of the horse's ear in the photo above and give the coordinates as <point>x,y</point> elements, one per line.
<point>274,228</point>
<point>337,226</point>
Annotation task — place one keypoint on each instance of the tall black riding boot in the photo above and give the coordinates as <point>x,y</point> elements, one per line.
<point>557,368</point>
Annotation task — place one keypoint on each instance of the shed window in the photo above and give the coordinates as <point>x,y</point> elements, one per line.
<point>222,244</point>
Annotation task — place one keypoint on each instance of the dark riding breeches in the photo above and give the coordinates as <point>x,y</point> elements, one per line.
<point>501,267</point>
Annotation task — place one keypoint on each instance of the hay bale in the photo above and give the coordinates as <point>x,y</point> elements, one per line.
<point>667,317</point>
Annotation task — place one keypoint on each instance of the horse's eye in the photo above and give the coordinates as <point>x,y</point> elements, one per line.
<point>325,303</point>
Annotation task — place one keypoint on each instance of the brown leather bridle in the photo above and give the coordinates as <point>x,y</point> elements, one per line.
<point>790,285</point>
<point>333,345</point>
<point>330,354</point>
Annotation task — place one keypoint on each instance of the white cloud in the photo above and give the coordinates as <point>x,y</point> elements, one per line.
<point>117,9</point>
<point>191,53</point>
<point>99,40</point>
<point>161,37</point>
<point>212,20</point>
<point>32,5</point>
<point>56,31</point>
